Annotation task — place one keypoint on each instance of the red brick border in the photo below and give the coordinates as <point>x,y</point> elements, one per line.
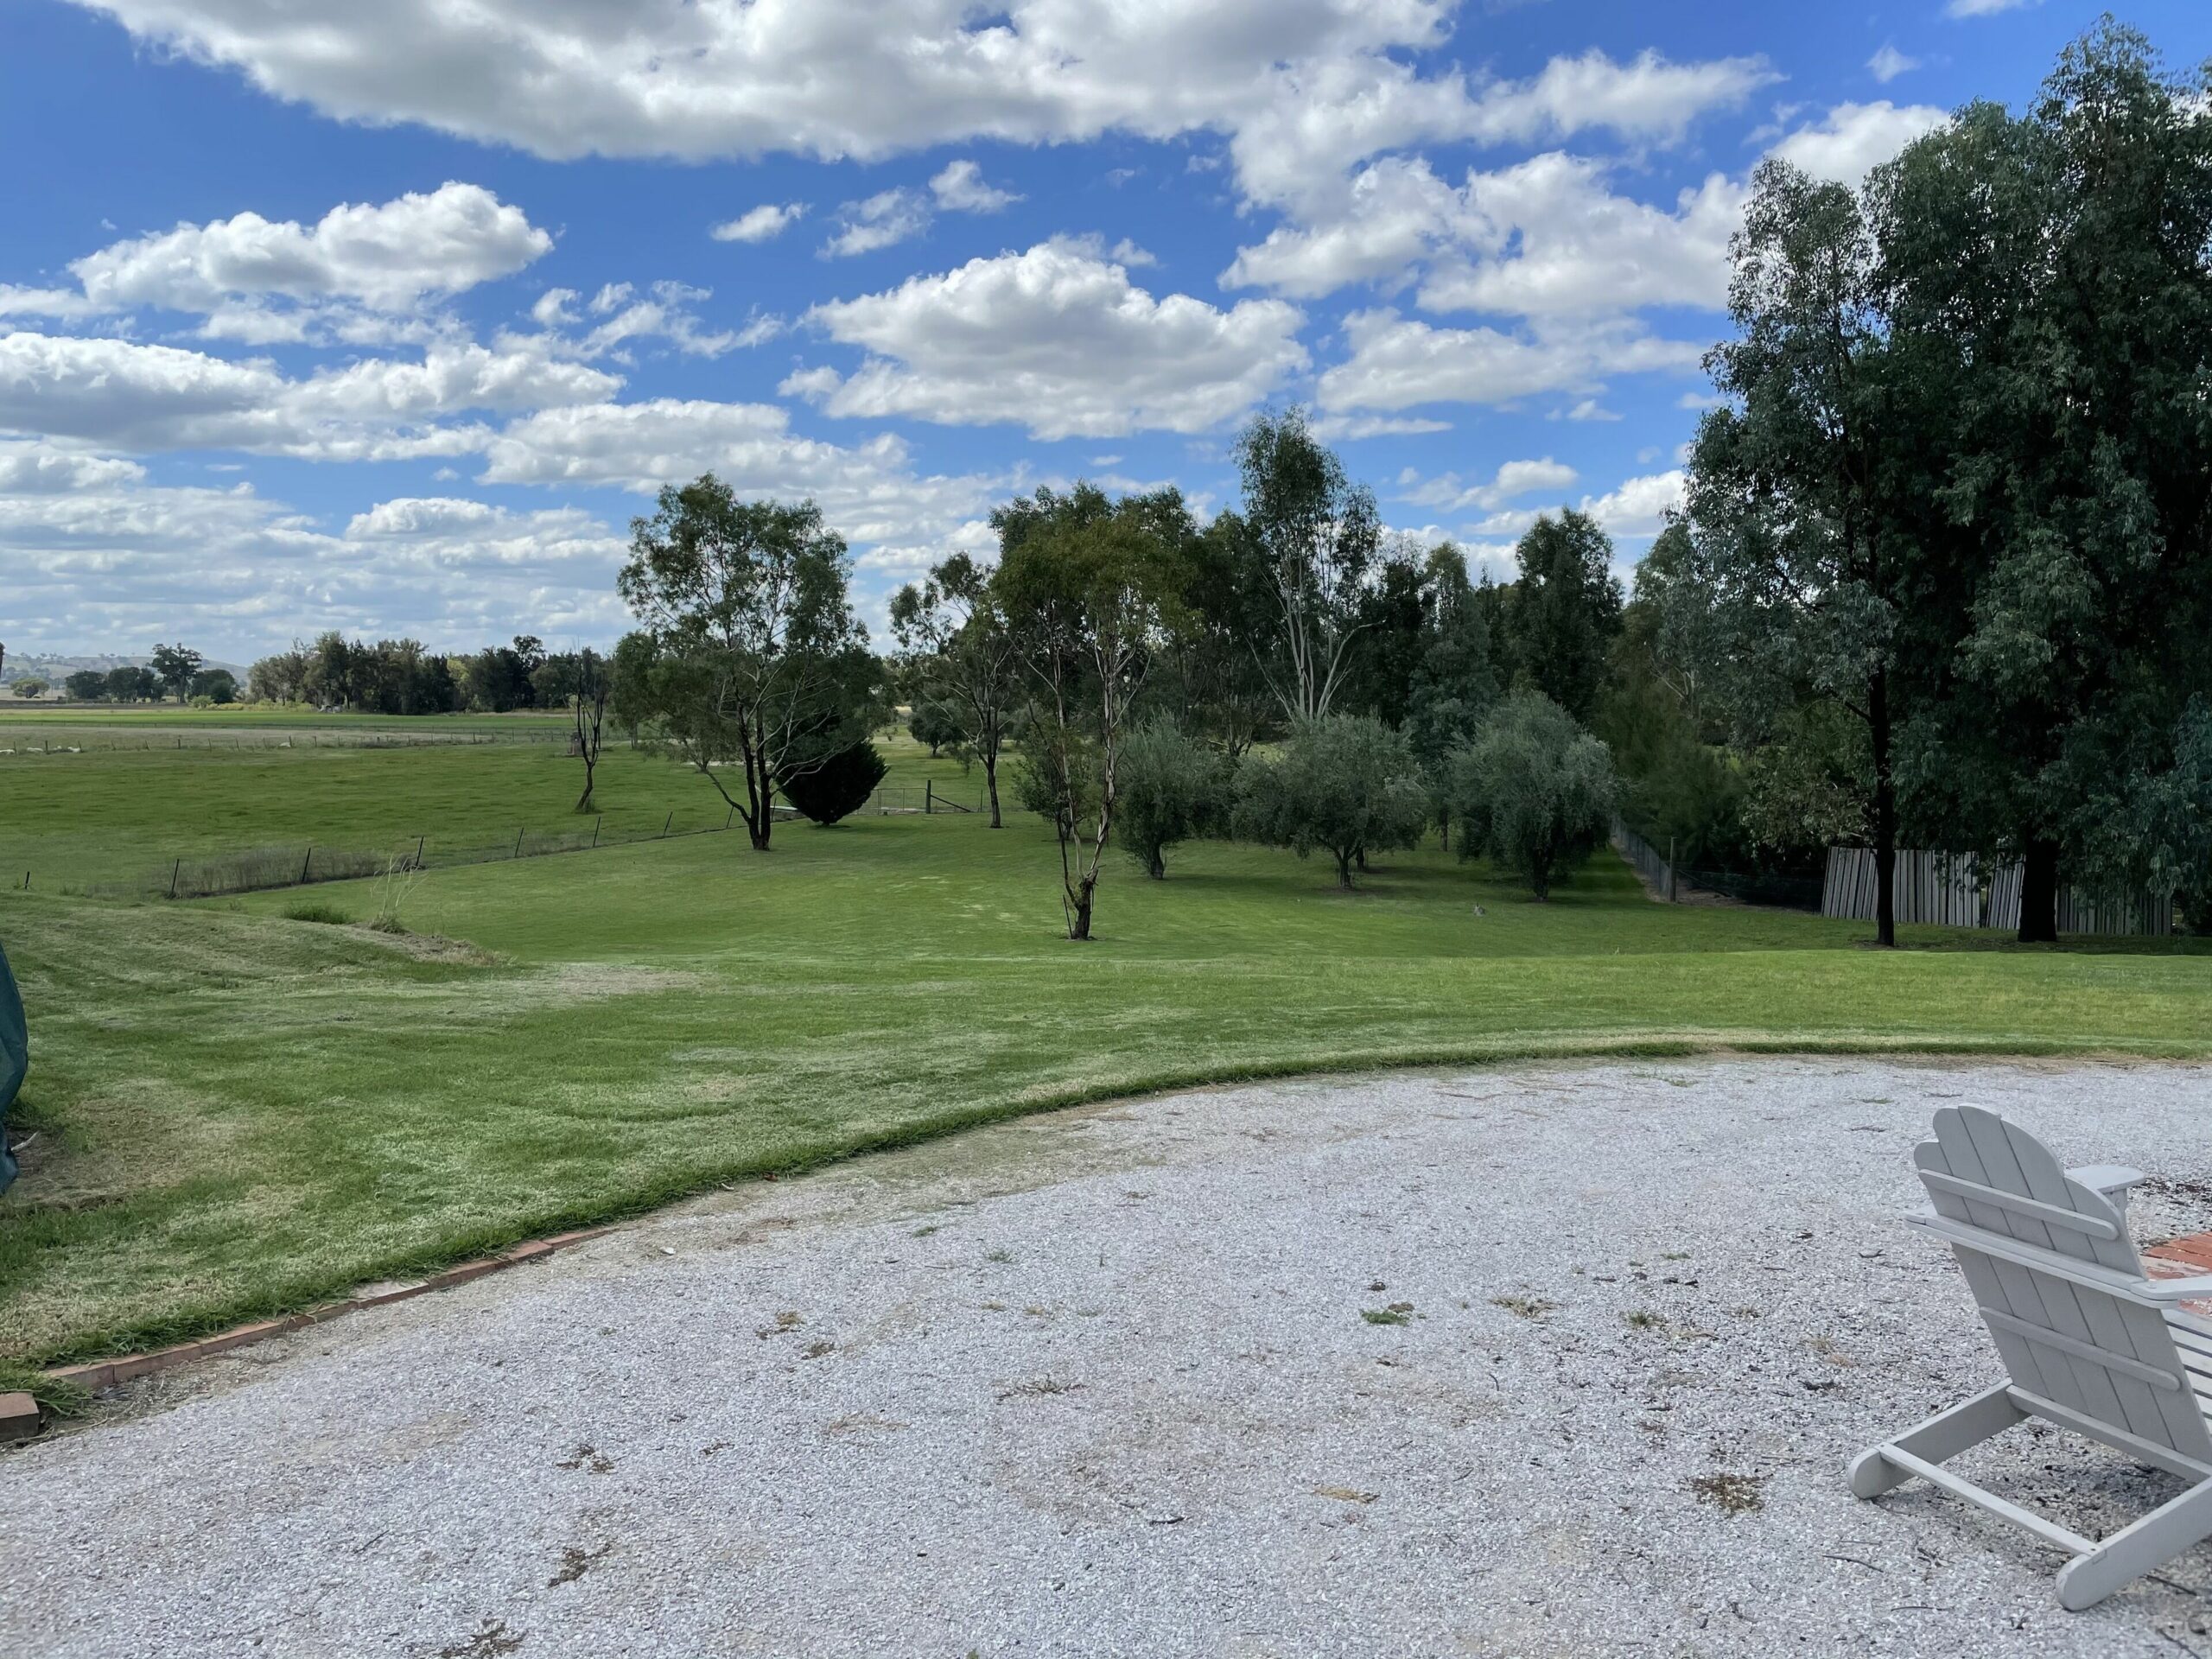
<point>102,1375</point>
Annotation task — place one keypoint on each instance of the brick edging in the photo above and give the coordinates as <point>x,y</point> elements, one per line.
<point>100,1376</point>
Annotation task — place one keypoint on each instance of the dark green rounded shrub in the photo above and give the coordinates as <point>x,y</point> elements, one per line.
<point>827,789</point>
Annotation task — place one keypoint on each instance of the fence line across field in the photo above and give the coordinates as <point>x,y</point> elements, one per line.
<point>303,863</point>
<point>16,745</point>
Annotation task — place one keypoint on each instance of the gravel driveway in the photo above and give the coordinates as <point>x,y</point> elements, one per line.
<point>1560,1361</point>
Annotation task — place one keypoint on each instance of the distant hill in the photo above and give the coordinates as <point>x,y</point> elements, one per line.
<point>54,669</point>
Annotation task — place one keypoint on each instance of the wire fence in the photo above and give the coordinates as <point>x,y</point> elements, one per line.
<point>42,745</point>
<point>309,863</point>
<point>1773,889</point>
<point>927,798</point>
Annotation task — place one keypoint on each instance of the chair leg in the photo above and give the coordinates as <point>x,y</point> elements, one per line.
<point>2136,1549</point>
<point>1943,1436</point>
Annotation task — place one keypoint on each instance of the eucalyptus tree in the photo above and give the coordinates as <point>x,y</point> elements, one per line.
<point>175,667</point>
<point>1085,584</point>
<point>2046,276</point>
<point>588,694</point>
<point>1564,612</point>
<point>1318,537</point>
<point>752,653</point>
<point>1217,645</point>
<point>1791,545</point>
<point>964,658</point>
<point>1455,680</point>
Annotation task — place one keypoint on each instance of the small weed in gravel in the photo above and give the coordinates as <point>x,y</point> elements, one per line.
<point>574,1563</point>
<point>1731,1494</point>
<point>491,1638</point>
<point>1384,1316</point>
<point>1529,1308</point>
<point>1643,1318</point>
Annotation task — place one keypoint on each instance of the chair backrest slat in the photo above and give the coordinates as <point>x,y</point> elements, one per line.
<point>2085,1348</point>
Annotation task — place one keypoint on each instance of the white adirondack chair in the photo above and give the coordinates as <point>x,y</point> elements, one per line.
<point>2090,1342</point>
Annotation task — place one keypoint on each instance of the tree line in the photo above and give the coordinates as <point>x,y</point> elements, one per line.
<point>402,676</point>
<point>1285,673</point>
<point>1945,575</point>
<point>1943,578</point>
<point>173,672</point>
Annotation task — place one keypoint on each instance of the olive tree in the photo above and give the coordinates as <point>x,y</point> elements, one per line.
<point>1344,784</point>
<point>1173,786</point>
<point>1536,792</point>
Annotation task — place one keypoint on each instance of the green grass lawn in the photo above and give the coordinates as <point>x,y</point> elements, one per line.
<point>76,822</point>
<point>240,1113</point>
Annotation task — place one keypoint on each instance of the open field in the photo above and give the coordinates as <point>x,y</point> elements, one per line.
<point>73,822</point>
<point>240,1113</point>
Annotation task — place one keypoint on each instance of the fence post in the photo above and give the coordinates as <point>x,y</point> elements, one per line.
<point>929,796</point>
<point>729,817</point>
<point>304,863</point>
<point>1670,870</point>
<point>595,822</point>
<point>419,840</point>
<point>518,852</point>
<point>174,870</point>
<point>666,827</point>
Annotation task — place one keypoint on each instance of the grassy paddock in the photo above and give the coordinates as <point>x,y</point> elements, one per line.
<point>242,1113</point>
<point>105,818</point>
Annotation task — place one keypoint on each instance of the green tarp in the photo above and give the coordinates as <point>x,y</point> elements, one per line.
<point>14,1060</point>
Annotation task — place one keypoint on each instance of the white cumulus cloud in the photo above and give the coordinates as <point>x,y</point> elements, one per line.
<point>762,224</point>
<point>1058,339</point>
<point>389,256</point>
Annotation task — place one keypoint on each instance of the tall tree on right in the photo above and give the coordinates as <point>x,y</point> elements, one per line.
<point>2047,277</point>
<point>1787,480</point>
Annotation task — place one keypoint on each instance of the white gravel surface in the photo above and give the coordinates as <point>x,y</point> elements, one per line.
<point>1101,1383</point>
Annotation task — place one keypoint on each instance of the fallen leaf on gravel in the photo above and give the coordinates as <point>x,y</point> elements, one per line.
<point>1347,1494</point>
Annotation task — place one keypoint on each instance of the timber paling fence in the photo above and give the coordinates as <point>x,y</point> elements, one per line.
<point>1750,888</point>
<point>1959,890</point>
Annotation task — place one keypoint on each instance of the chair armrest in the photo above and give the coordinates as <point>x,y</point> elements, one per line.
<point>2111,1179</point>
<point>2174,1290</point>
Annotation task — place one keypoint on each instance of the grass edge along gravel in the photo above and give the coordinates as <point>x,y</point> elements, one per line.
<point>188,997</point>
<point>214,1318</point>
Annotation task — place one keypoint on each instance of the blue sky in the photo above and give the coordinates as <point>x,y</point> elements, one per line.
<point>389,317</point>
